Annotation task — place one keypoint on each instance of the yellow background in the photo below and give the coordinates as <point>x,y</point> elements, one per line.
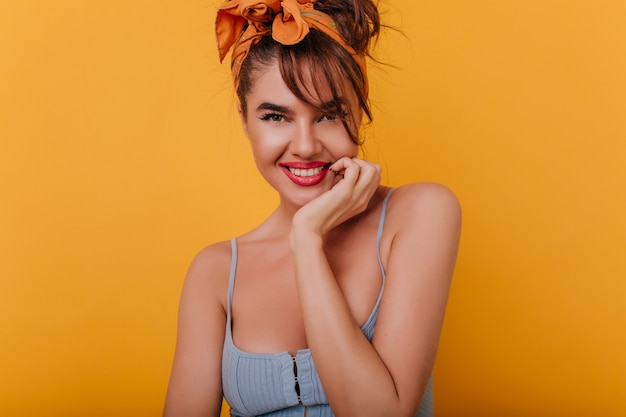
<point>121,156</point>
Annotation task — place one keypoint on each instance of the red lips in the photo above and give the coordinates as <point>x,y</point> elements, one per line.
<point>305,174</point>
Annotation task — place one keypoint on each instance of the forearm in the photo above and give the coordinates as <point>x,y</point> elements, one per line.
<point>355,378</point>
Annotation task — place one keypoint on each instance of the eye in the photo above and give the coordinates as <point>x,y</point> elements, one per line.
<point>332,116</point>
<point>272,117</point>
<point>329,117</point>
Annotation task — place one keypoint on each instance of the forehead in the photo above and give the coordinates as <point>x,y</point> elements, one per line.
<point>312,87</point>
<point>268,83</point>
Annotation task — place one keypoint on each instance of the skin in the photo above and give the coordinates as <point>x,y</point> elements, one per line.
<point>323,275</point>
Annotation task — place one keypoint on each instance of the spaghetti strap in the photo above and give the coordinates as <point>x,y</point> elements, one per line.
<point>379,235</point>
<point>370,323</point>
<point>233,270</point>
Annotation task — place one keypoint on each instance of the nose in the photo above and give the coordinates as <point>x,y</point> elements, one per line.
<point>304,142</point>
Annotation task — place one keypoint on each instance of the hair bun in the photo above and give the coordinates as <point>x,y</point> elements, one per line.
<point>358,21</point>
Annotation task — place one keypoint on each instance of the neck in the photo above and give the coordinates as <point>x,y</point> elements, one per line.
<point>278,224</point>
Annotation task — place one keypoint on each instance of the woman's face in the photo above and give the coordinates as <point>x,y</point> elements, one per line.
<point>293,142</point>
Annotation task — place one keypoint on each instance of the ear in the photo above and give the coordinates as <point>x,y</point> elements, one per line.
<point>242,117</point>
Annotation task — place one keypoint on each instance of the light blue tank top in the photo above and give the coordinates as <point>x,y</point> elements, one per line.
<point>277,384</point>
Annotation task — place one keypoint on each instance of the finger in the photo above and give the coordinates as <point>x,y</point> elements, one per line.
<point>338,177</point>
<point>368,168</point>
<point>340,164</point>
<point>352,170</point>
<point>347,168</point>
<point>368,172</point>
<point>365,164</point>
<point>369,179</point>
<point>337,168</point>
<point>361,162</point>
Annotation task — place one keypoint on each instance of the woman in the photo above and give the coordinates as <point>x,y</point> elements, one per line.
<point>281,320</point>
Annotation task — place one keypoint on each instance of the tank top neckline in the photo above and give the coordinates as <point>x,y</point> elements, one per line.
<point>368,323</point>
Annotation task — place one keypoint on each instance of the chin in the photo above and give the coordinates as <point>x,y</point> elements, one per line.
<point>304,196</point>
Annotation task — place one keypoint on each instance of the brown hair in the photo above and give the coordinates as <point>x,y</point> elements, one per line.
<point>328,63</point>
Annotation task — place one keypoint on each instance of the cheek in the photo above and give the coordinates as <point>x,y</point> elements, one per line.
<point>351,150</point>
<point>338,141</point>
<point>261,151</point>
<point>265,147</point>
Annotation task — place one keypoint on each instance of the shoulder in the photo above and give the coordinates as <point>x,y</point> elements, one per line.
<point>213,257</point>
<point>425,199</point>
<point>209,271</point>
<point>422,240</point>
<point>424,214</point>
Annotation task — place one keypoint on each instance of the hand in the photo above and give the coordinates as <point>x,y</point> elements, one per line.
<point>356,183</point>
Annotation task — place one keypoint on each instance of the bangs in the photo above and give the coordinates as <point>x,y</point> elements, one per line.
<point>323,74</point>
<point>318,71</point>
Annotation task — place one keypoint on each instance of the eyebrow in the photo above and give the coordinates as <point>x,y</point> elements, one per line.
<point>332,105</point>
<point>273,107</point>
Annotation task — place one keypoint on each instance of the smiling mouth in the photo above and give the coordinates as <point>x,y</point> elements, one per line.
<point>307,172</point>
<point>306,176</point>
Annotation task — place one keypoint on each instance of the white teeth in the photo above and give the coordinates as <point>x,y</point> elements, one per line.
<point>302,172</point>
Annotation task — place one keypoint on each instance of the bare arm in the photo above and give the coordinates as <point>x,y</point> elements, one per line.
<point>388,376</point>
<point>195,387</point>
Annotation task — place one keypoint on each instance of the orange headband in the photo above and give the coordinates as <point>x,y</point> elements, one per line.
<point>289,20</point>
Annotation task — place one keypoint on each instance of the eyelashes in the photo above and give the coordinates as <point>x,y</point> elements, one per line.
<point>274,117</point>
<point>339,114</point>
<point>329,116</point>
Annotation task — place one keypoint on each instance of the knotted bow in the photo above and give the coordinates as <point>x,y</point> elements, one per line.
<point>288,21</point>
